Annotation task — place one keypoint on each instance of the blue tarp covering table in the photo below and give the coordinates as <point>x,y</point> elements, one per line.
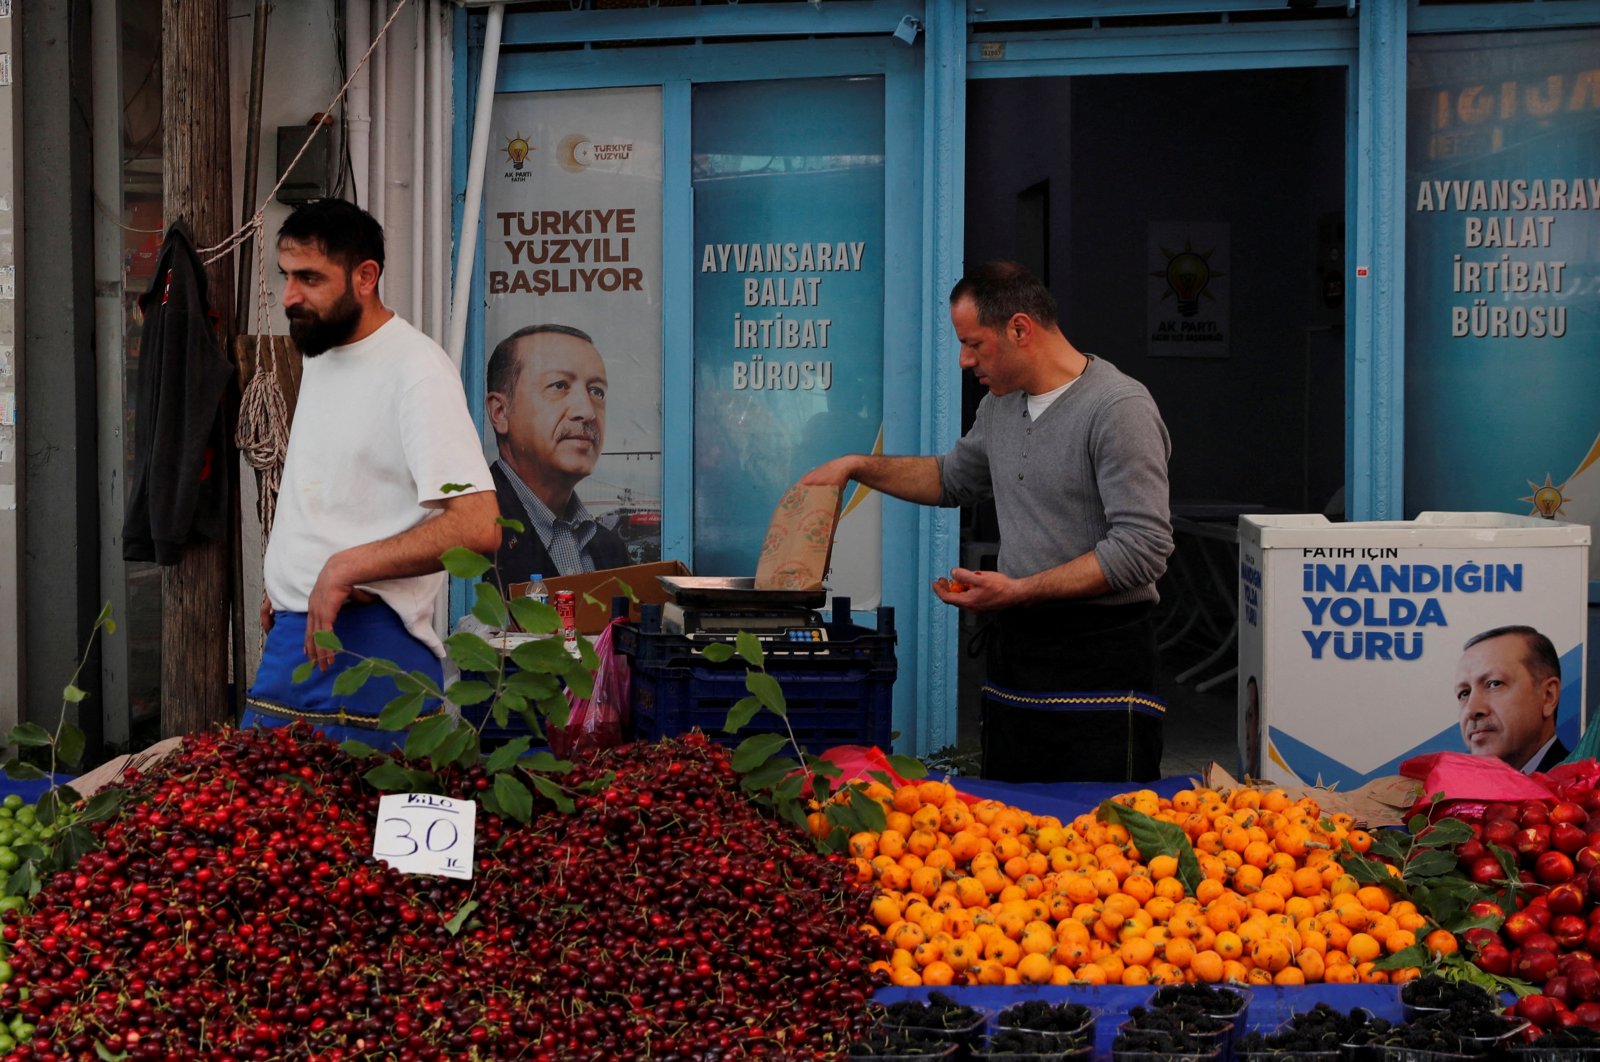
<point>1269,1007</point>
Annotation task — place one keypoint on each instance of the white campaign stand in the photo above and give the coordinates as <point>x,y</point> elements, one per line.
<point>1349,633</point>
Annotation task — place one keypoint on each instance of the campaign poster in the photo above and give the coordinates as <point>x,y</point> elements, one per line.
<point>572,257</point>
<point>1354,640</point>
<point>789,244</point>
<point>1502,268</point>
<point>1186,300</point>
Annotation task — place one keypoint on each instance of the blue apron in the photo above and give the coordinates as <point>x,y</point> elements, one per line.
<point>371,630</point>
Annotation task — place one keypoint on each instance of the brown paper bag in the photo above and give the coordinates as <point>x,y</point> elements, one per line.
<point>799,539</point>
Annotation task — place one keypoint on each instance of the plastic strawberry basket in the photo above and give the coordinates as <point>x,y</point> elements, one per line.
<point>837,691</point>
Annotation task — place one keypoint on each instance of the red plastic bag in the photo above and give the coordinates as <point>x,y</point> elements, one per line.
<point>1470,782</point>
<point>858,761</point>
<point>597,722</point>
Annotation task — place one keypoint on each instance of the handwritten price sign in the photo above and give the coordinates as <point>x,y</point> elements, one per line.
<point>420,833</point>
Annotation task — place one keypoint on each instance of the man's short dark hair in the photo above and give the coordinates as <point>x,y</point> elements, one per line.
<point>1539,653</point>
<point>504,365</point>
<point>1002,289</point>
<point>343,231</point>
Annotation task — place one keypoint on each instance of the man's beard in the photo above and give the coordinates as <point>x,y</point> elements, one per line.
<point>315,334</point>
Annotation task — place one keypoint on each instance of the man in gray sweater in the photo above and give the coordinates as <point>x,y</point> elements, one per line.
<point>1074,455</point>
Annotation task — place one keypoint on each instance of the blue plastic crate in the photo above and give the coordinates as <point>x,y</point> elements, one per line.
<point>825,708</point>
<point>837,692</point>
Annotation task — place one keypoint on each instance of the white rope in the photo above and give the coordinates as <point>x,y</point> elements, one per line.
<point>257,219</point>
<point>263,433</point>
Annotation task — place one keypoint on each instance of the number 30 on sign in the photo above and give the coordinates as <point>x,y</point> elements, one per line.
<point>421,833</point>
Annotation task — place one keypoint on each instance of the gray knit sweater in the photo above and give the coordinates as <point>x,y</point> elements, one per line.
<point>1089,474</point>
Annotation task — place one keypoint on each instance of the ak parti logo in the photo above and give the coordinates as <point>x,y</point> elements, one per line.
<point>577,152</point>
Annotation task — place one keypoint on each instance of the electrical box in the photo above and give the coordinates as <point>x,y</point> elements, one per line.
<point>311,177</point>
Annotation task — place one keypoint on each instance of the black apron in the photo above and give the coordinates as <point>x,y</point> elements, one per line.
<point>1068,694</point>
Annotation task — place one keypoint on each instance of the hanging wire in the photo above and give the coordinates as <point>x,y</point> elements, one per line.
<point>256,220</point>
<point>263,432</point>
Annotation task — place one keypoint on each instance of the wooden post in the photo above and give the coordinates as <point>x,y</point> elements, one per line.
<point>198,186</point>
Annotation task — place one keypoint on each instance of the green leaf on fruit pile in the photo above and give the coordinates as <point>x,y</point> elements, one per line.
<point>826,768</point>
<point>1429,863</point>
<point>792,811</point>
<point>1457,968</point>
<point>506,755</point>
<point>514,796</point>
<point>821,788</point>
<point>463,563</point>
<point>72,694</point>
<point>1446,833</point>
<point>400,712</point>
<point>768,774</point>
<point>455,746</point>
<point>459,919</point>
<point>302,672</point>
<point>47,808</point>
<point>22,881</point>
<point>1152,837</point>
<point>426,735</point>
<point>1364,869</point>
<point>472,653</point>
<point>487,801</point>
<point>389,777</point>
<point>873,817</point>
<point>553,792</point>
<point>358,749</point>
<point>73,843</point>
<point>327,640</point>
<point>753,751</point>
<point>1415,955</point>
<point>765,688</point>
<point>29,735</point>
<point>23,772</point>
<point>535,617</point>
<point>489,607</point>
<point>718,652</point>
<point>908,767</point>
<point>468,692</point>
<point>105,1054</point>
<point>352,679</point>
<point>102,805</point>
<point>748,646</point>
<point>788,790</point>
<point>743,710</point>
<point>546,763</point>
<point>1510,879</point>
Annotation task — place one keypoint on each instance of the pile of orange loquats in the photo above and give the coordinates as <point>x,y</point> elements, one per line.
<point>986,893</point>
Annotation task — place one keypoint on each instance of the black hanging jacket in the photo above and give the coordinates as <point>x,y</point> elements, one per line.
<point>179,481</point>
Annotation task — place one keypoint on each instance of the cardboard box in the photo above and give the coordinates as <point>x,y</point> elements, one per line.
<point>602,586</point>
<point>1350,633</point>
<point>1381,802</point>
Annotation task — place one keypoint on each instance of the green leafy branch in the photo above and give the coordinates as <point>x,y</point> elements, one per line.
<point>778,772</point>
<point>53,833</point>
<point>1152,837</point>
<point>1430,878</point>
<point>533,691</point>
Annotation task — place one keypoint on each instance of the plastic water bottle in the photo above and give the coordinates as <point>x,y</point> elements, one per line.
<point>537,590</point>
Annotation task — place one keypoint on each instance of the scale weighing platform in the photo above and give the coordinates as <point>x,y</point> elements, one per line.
<point>710,608</point>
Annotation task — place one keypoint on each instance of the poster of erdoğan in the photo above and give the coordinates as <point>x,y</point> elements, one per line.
<point>572,250</point>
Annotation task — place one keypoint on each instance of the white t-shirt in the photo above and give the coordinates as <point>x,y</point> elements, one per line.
<point>380,426</point>
<point>1037,404</point>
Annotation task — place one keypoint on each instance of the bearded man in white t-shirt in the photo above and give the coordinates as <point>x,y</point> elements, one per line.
<point>384,473</point>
